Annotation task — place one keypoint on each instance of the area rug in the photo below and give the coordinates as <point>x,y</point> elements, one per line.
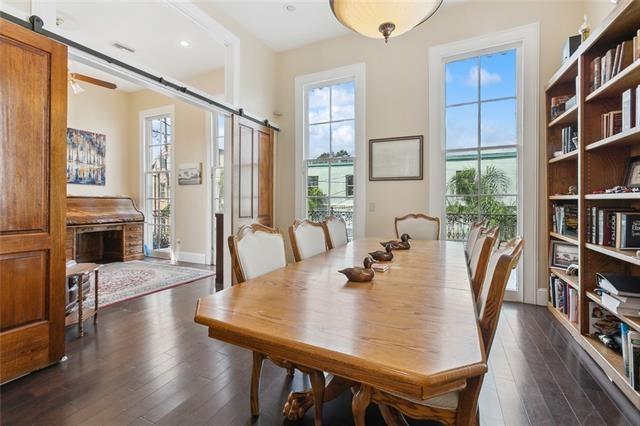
<point>122,281</point>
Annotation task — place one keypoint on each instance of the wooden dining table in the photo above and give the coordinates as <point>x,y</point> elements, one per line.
<point>412,330</point>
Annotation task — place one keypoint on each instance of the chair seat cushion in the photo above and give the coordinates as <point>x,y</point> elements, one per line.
<point>447,401</point>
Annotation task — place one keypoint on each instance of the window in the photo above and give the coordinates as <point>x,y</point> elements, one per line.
<point>481,143</point>
<point>330,149</point>
<point>218,161</point>
<point>157,172</point>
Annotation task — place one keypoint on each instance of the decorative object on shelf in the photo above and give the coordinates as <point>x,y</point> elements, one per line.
<point>382,256</point>
<point>632,175</point>
<point>403,244</point>
<point>573,269</point>
<point>397,158</point>
<point>584,29</point>
<point>190,174</point>
<point>383,19</point>
<point>86,153</point>
<point>563,254</point>
<point>573,190</point>
<point>570,46</point>
<point>358,274</point>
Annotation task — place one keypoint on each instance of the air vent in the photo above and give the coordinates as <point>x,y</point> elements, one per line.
<point>121,46</point>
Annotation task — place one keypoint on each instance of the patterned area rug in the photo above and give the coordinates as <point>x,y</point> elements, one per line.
<point>122,281</point>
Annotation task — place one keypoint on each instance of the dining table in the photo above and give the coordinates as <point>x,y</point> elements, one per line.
<point>412,330</point>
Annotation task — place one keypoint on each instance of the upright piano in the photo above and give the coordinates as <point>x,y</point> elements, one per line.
<point>104,229</point>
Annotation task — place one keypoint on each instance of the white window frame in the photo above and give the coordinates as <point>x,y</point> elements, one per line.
<point>355,72</point>
<point>144,116</point>
<point>526,41</point>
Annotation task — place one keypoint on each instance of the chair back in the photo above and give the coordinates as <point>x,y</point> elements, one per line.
<point>479,258</point>
<point>336,232</point>
<point>474,231</point>
<point>307,239</point>
<point>419,226</point>
<point>501,263</point>
<point>256,250</point>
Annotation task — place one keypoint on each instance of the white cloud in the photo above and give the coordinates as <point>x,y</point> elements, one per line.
<point>486,77</point>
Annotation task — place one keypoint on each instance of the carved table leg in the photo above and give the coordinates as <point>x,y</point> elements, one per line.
<point>392,416</point>
<point>359,404</point>
<point>299,402</point>
<point>317,386</point>
<point>255,383</point>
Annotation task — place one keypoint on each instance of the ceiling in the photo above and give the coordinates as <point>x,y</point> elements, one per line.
<point>279,29</point>
<point>153,29</point>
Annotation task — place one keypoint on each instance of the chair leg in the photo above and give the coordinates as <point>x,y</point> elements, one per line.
<point>359,404</point>
<point>291,371</point>
<point>258,358</point>
<point>392,416</point>
<point>317,385</point>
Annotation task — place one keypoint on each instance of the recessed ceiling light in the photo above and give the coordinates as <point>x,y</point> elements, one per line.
<point>290,8</point>
<point>184,43</point>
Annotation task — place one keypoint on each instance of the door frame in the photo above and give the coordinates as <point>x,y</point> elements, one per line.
<point>526,39</point>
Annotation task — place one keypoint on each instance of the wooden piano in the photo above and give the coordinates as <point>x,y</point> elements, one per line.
<point>103,229</point>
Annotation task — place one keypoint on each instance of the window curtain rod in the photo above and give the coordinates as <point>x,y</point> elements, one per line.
<point>36,23</point>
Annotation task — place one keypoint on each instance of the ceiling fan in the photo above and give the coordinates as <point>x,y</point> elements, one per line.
<point>74,77</point>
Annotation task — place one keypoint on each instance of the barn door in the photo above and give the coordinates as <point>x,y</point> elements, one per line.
<point>33,120</point>
<point>252,180</point>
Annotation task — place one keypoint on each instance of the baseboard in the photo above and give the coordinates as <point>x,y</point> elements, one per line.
<point>542,297</point>
<point>185,256</point>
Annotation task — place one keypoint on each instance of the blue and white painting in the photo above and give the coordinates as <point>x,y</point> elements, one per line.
<point>85,157</point>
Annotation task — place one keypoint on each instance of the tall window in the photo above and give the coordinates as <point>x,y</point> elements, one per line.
<point>481,143</point>
<point>218,161</point>
<point>329,152</point>
<point>158,181</point>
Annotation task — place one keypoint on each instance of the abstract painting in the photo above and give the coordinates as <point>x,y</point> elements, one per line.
<point>85,157</point>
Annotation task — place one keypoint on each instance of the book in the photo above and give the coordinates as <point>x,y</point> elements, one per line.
<point>628,230</point>
<point>595,73</point>
<point>601,321</point>
<point>380,267</point>
<point>616,306</point>
<point>624,331</point>
<point>628,107</point>
<point>626,55</point>
<point>619,285</point>
<point>638,104</point>
<point>633,341</point>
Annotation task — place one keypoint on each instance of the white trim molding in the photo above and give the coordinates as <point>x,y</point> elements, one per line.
<point>526,40</point>
<point>186,256</point>
<point>357,73</point>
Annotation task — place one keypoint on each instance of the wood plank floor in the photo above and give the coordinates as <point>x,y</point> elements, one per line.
<point>148,362</point>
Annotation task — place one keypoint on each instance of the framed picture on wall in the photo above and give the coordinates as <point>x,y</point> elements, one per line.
<point>397,158</point>
<point>86,153</point>
<point>190,174</point>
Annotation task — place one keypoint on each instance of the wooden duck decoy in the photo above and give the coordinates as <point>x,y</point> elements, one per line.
<point>382,256</point>
<point>360,275</point>
<point>403,244</point>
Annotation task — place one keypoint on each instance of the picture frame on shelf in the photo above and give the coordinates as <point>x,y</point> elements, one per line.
<point>632,175</point>
<point>562,254</point>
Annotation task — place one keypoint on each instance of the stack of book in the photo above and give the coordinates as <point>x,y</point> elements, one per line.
<point>606,67</point>
<point>569,138</point>
<point>563,297</point>
<point>611,123</point>
<point>565,219</point>
<point>560,104</point>
<point>614,227</point>
<point>380,267</point>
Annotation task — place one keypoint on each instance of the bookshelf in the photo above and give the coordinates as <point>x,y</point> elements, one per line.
<point>597,163</point>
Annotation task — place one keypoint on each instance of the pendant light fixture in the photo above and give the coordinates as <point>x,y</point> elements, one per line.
<point>383,18</point>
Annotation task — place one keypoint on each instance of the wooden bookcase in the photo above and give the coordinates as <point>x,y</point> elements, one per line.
<point>596,164</point>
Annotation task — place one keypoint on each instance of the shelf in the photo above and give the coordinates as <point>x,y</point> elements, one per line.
<point>563,197</point>
<point>624,255</point>
<point>569,116</point>
<point>572,280</point>
<point>565,238</point>
<point>567,72</point>
<point>573,155</point>
<point>631,321</point>
<point>621,196</point>
<point>572,327</point>
<point>627,137</point>
<point>628,78</point>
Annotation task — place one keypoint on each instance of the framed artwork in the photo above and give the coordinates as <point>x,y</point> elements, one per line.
<point>632,177</point>
<point>395,158</point>
<point>86,157</point>
<point>563,254</point>
<point>190,174</point>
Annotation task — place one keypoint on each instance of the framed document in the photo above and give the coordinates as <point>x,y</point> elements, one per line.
<point>395,158</point>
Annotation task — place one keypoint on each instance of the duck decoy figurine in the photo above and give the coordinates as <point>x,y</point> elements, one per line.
<point>360,275</point>
<point>403,244</point>
<point>383,256</point>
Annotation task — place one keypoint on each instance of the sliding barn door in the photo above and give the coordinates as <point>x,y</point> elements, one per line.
<point>252,180</point>
<point>33,115</point>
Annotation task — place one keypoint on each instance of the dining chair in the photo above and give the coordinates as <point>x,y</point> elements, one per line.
<point>336,231</point>
<point>419,226</point>
<point>256,250</point>
<point>458,407</point>
<point>307,239</point>
<point>479,257</point>
<point>474,230</point>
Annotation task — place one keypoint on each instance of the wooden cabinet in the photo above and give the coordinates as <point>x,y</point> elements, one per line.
<point>33,122</point>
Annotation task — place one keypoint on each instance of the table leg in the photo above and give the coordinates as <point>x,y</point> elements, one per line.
<point>317,386</point>
<point>95,315</point>
<point>299,402</point>
<point>80,302</point>
<point>359,404</point>
<point>258,358</point>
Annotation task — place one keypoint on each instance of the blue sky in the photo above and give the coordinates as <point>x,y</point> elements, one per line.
<point>331,103</point>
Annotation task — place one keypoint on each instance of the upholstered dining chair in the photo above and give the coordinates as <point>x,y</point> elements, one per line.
<point>335,229</point>
<point>307,239</point>
<point>257,250</point>
<point>479,256</point>
<point>419,226</point>
<point>474,231</point>
<point>458,407</point>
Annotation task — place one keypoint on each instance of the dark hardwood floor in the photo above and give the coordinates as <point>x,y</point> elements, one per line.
<point>148,362</point>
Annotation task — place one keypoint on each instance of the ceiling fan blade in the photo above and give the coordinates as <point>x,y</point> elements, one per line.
<point>92,80</point>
